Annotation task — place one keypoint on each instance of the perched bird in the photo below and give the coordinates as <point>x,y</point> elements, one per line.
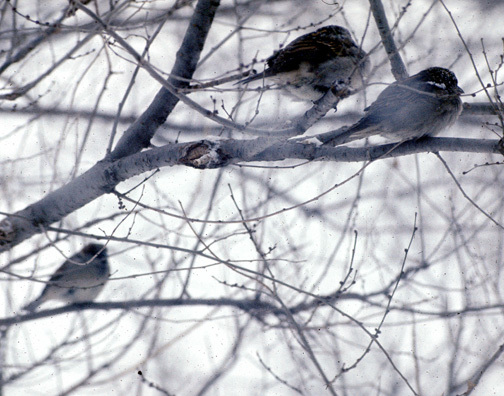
<point>74,282</point>
<point>308,66</point>
<point>418,106</point>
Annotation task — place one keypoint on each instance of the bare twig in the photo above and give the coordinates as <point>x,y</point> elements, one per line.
<point>465,194</point>
<point>482,370</point>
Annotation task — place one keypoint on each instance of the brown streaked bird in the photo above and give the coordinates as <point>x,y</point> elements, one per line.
<point>418,106</point>
<point>78,279</point>
<point>308,66</point>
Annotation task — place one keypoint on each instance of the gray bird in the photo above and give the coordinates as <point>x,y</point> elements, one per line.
<point>76,283</point>
<point>418,106</point>
<point>308,66</point>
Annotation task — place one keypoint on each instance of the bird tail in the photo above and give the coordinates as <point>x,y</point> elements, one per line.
<point>33,305</point>
<point>359,130</point>
<point>250,78</point>
<point>37,302</point>
<point>254,77</point>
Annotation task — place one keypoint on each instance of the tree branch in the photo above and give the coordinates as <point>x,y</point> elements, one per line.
<point>140,133</point>
<point>205,154</point>
<point>398,68</point>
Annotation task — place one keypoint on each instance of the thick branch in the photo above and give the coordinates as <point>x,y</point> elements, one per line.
<point>205,154</point>
<point>398,68</point>
<point>56,205</point>
<point>140,133</point>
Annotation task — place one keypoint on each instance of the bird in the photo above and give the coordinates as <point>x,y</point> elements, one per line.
<point>79,279</point>
<point>309,65</point>
<point>421,105</point>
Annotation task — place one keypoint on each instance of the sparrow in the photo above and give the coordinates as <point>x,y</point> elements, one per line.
<point>79,279</point>
<point>418,106</point>
<point>308,66</point>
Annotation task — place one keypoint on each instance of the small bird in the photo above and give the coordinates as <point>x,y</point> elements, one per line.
<point>308,66</point>
<point>418,106</point>
<point>74,282</point>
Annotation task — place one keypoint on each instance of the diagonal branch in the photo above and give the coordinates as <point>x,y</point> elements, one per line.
<point>205,154</point>
<point>97,180</point>
<point>398,68</point>
<point>140,133</point>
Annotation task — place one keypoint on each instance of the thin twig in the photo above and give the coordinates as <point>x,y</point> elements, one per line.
<point>465,194</point>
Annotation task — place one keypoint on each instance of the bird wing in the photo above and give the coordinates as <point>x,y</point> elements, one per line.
<point>309,47</point>
<point>411,103</point>
<point>71,273</point>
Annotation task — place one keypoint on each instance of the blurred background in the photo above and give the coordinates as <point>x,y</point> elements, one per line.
<point>406,253</point>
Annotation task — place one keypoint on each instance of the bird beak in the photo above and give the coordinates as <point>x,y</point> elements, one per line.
<point>459,90</point>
